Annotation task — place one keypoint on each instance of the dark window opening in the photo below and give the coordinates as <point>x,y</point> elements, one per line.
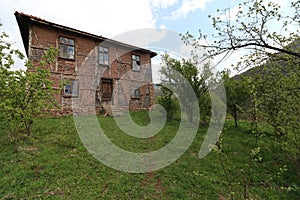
<point>135,92</point>
<point>71,88</point>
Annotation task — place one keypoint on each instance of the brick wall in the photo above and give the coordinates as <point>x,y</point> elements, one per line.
<point>89,72</point>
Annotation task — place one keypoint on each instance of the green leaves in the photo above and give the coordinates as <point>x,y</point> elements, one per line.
<point>280,96</point>
<point>24,95</point>
<point>237,94</point>
<point>196,79</point>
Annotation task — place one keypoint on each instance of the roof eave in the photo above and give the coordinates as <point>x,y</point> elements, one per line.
<point>24,22</point>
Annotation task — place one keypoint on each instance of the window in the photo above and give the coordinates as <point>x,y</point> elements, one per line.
<point>135,93</point>
<point>136,63</point>
<point>103,56</point>
<point>107,89</point>
<point>66,48</point>
<point>71,88</point>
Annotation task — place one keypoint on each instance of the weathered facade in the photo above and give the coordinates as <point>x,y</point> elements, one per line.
<point>96,72</point>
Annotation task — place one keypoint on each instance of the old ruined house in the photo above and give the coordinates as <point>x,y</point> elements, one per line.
<point>96,72</point>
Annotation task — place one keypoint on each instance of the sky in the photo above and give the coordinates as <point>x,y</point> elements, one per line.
<point>121,20</point>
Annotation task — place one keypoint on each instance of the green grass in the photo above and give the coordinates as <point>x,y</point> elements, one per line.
<point>54,164</point>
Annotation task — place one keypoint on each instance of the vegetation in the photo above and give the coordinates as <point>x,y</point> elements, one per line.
<point>237,95</point>
<point>259,159</point>
<point>250,29</point>
<point>24,95</point>
<point>54,164</point>
<point>169,102</point>
<point>272,91</point>
<point>190,75</point>
<point>279,97</point>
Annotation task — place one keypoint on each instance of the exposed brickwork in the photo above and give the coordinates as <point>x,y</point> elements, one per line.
<point>85,68</point>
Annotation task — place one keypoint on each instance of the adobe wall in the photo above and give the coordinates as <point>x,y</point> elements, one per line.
<point>85,67</point>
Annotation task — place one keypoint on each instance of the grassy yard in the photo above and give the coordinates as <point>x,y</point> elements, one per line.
<point>54,164</point>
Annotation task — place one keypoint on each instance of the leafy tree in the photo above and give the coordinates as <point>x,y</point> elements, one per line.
<point>250,30</point>
<point>196,80</point>
<point>168,101</point>
<point>237,94</point>
<point>279,94</point>
<point>274,54</point>
<point>24,94</point>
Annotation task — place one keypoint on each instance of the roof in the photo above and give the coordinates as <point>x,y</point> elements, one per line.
<point>25,20</point>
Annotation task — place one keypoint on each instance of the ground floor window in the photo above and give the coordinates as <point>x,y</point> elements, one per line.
<point>135,92</point>
<point>71,88</point>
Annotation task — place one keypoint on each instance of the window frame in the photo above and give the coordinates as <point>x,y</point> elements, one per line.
<point>135,62</point>
<point>71,86</point>
<point>135,92</point>
<point>67,45</point>
<point>105,55</point>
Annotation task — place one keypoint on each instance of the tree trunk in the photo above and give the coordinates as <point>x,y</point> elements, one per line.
<point>245,188</point>
<point>28,128</point>
<point>235,115</point>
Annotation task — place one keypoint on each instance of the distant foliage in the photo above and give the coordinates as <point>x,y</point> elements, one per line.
<point>237,94</point>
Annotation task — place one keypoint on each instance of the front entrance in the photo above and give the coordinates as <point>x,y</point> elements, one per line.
<point>104,91</point>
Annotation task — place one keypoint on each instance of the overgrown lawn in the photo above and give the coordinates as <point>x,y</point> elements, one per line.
<point>54,164</point>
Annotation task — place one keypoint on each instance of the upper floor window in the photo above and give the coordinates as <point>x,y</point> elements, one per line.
<point>66,48</point>
<point>103,56</point>
<point>136,63</point>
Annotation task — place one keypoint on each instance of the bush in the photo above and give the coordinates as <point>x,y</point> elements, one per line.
<point>170,103</point>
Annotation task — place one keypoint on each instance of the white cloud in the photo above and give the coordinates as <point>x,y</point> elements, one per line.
<point>106,18</point>
<point>142,37</point>
<point>99,17</point>
<point>162,3</point>
<point>189,6</point>
<point>162,26</point>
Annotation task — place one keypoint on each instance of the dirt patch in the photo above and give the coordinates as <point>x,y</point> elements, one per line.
<point>151,180</point>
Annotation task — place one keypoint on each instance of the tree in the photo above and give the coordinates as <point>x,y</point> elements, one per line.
<point>250,30</point>
<point>196,80</point>
<point>237,94</point>
<point>168,101</point>
<point>277,89</point>
<point>24,94</point>
<point>274,56</point>
<point>278,86</point>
